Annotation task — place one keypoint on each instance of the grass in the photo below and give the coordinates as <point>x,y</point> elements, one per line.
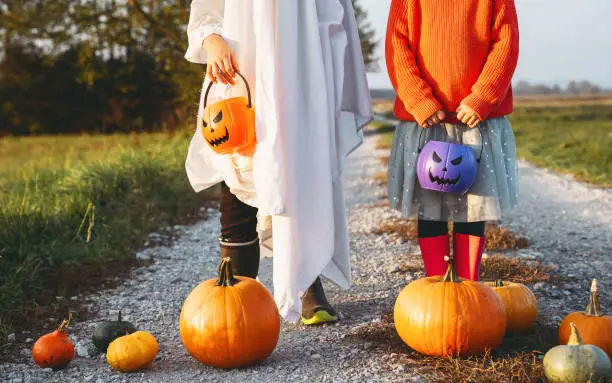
<point>74,208</point>
<point>499,266</point>
<point>573,138</point>
<point>517,360</point>
<point>498,238</point>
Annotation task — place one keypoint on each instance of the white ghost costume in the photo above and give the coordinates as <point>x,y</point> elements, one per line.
<point>303,61</point>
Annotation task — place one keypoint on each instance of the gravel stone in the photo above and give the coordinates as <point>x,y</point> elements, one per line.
<point>10,338</point>
<point>539,286</point>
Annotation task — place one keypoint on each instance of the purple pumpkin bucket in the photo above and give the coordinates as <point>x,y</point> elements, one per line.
<point>446,167</point>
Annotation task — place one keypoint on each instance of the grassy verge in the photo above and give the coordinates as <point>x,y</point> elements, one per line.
<point>569,139</point>
<point>73,208</point>
<point>572,138</point>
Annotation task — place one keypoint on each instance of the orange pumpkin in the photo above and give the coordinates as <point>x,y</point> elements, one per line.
<point>229,322</point>
<point>228,126</point>
<point>448,316</point>
<point>593,325</point>
<point>520,304</point>
<point>132,352</point>
<point>54,350</point>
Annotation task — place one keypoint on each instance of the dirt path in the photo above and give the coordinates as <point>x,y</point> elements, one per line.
<point>568,222</point>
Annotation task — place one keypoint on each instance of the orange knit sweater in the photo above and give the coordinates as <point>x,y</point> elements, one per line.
<point>441,53</point>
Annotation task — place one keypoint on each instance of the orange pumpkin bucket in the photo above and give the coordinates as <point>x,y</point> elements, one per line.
<point>228,126</point>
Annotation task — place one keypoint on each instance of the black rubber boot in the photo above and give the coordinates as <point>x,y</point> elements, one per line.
<point>315,307</point>
<point>244,256</point>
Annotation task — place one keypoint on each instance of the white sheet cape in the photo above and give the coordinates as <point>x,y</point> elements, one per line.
<point>303,61</point>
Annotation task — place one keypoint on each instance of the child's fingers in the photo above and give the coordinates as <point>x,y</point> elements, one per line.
<point>460,115</point>
<point>220,74</point>
<point>228,70</point>
<point>235,63</point>
<point>473,121</point>
<point>209,73</point>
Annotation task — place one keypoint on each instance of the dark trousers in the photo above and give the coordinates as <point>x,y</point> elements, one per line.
<point>238,220</point>
<point>430,229</point>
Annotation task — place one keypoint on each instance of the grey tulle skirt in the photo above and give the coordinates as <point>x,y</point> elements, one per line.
<point>495,189</point>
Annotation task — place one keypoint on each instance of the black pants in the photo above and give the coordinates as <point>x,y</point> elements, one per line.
<point>238,220</point>
<point>429,229</point>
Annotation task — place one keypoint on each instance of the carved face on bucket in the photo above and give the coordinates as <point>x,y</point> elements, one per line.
<point>228,126</point>
<point>216,134</point>
<point>446,167</point>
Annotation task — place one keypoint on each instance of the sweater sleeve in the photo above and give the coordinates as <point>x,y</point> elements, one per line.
<point>411,88</point>
<point>496,76</point>
<point>205,18</point>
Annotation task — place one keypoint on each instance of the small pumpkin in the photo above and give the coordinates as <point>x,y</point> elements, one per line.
<point>577,362</point>
<point>228,126</point>
<point>54,350</point>
<point>132,352</point>
<point>107,331</point>
<point>448,316</point>
<point>520,304</point>
<point>595,327</point>
<point>229,322</point>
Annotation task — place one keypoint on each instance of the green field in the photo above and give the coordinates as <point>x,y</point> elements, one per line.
<point>73,207</point>
<point>575,139</point>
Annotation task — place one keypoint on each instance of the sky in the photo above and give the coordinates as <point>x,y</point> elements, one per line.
<point>561,40</point>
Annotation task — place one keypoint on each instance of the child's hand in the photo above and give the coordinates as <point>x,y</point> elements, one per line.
<point>222,65</point>
<point>468,116</point>
<point>434,119</point>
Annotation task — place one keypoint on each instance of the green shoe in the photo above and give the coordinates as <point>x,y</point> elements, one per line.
<point>320,317</point>
<point>316,310</point>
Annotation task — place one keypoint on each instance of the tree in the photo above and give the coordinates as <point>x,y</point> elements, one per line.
<point>367,35</point>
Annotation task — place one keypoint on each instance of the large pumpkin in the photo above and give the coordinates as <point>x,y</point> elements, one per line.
<point>132,352</point>
<point>577,362</point>
<point>229,322</point>
<point>595,327</point>
<point>446,316</point>
<point>520,304</point>
<point>54,350</point>
<point>228,126</point>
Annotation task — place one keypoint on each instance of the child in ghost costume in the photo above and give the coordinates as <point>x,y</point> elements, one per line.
<point>303,62</point>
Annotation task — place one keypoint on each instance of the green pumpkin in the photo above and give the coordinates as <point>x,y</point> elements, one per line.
<point>107,331</point>
<point>577,362</point>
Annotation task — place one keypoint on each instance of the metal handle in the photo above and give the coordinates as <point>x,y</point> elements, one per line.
<point>245,83</point>
<point>481,142</point>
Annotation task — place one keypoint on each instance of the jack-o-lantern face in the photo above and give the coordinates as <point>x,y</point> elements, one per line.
<point>446,167</point>
<point>228,126</point>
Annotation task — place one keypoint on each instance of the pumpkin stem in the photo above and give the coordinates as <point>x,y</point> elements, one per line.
<point>593,309</point>
<point>226,276</point>
<point>575,339</point>
<point>451,272</point>
<point>65,323</point>
<point>499,283</point>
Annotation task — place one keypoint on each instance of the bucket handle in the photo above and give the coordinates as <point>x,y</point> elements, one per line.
<point>245,83</point>
<point>481,142</point>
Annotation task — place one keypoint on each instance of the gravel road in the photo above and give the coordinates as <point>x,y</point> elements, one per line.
<point>568,222</point>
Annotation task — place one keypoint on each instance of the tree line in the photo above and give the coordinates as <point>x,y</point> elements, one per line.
<point>577,88</point>
<point>102,66</point>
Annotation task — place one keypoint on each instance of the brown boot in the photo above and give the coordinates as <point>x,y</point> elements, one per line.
<point>316,309</point>
<point>244,256</point>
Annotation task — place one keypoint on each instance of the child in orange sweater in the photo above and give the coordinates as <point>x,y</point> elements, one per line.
<point>451,64</point>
